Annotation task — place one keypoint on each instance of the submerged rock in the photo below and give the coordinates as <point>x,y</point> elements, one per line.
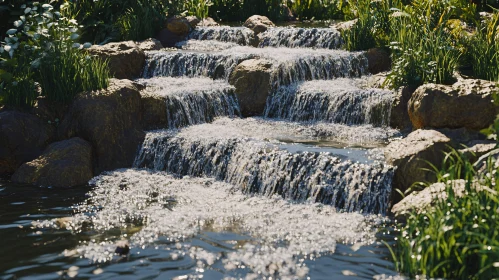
<point>122,247</point>
<point>22,138</point>
<point>126,59</point>
<point>110,120</point>
<point>258,23</point>
<point>413,154</point>
<point>66,163</point>
<point>467,103</point>
<point>252,79</point>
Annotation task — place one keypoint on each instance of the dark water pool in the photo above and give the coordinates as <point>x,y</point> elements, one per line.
<point>34,253</point>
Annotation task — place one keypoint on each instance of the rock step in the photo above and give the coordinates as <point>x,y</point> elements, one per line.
<point>242,153</point>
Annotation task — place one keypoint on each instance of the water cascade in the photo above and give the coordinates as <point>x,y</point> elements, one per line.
<point>219,150</point>
<point>325,38</point>
<point>336,101</point>
<point>290,65</point>
<point>239,35</point>
<point>191,100</point>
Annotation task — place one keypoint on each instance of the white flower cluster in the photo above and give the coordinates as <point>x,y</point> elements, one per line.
<point>44,27</point>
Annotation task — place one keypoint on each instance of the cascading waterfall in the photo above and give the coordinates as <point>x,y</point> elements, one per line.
<point>191,100</point>
<point>326,38</point>
<point>259,166</point>
<point>240,35</point>
<point>336,101</point>
<point>290,65</point>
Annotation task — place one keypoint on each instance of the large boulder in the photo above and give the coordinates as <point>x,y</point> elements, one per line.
<point>178,25</point>
<point>154,111</point>
<point>126,59</point>
<point>252,79</point>
<point>258,23</point>
<point>467,103</point>
<point>411,156</point>
<point>378,60</point>
<point>110,120</point>
<point>399,117</point>
<point>150,44</point>
<point>193,21</point>
<point>23,137</point>
<point>66,163</point>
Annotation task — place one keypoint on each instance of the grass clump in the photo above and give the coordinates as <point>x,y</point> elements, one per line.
<point>484,49</point>
<point>458,237</point>
<point>41,56</point>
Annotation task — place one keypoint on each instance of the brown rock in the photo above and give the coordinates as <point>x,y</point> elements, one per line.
<point>420,201</point>
<point>258,23</point>
<point>251,78</point>
<point>378,60</point>
<point>178,25</point>
<point>411,156</point>
<point>345,25</point>
<point>467,103</point>
<point>399,117</point>
<point>193,21</point>
<point>208,22</point>
<point>154,111</point>
<point>126,59</point>
<point>150,44</point>
<point>66,163</point>
<point>23,137</point>
<point>110,120</point>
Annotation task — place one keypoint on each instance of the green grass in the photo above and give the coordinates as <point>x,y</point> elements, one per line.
<point>484,49</point>
<point>458,237</point>
<point>67,72</point>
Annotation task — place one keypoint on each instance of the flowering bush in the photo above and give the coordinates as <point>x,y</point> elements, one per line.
<point>42,49</point>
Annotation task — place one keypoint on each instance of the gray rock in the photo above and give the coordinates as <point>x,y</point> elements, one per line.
<point>411,156</point>
<point>110,119</point>
<point>258,23</point>
<point>208,22</point>
<point>178,25</point>
<point>399,117</point>
<point>345,25</point>
<point>126,59</point>
<point>251,78</point>
<point>467,103</point>
<point>23,137</point>
<point>66,163</point>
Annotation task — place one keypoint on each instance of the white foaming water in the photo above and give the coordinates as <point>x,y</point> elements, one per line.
<point>336,101</point>
<point>290,65</point>
<point>191,100</point>
<point>224,150</point>
<point>238,35</point>
<point>281,234</point>
<point>196,45</point>
<point>290,37</point>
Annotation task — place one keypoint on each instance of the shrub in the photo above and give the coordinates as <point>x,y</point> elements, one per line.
<point>458,237</point>
<point>484,49</point>
<point>42,50</point>
<point>317,9</point>
<point>422,49</point>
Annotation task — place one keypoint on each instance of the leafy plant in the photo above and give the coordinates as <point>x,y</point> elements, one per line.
<point>484,49</point>
<point>458,237</point>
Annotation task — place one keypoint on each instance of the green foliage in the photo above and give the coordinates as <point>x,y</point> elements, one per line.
<point>372,28</point>
<point>423,51</point>
<point>40,54</point>
<point>458,237</point>
<point>317,9</point>
<point>484,49</point>
<point>111,20</point>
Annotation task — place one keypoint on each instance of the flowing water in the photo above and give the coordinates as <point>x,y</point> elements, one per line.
<point>301,192</point>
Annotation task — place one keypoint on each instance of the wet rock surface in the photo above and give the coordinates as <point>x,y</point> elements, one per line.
<point>110,120</point>
<point>252,80</point>
<point>66,163</point>
<point>126,59</point>
<point>411,156</point>
<point>258,23</point>
<point>23,137</point>
<point>467,103</point>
